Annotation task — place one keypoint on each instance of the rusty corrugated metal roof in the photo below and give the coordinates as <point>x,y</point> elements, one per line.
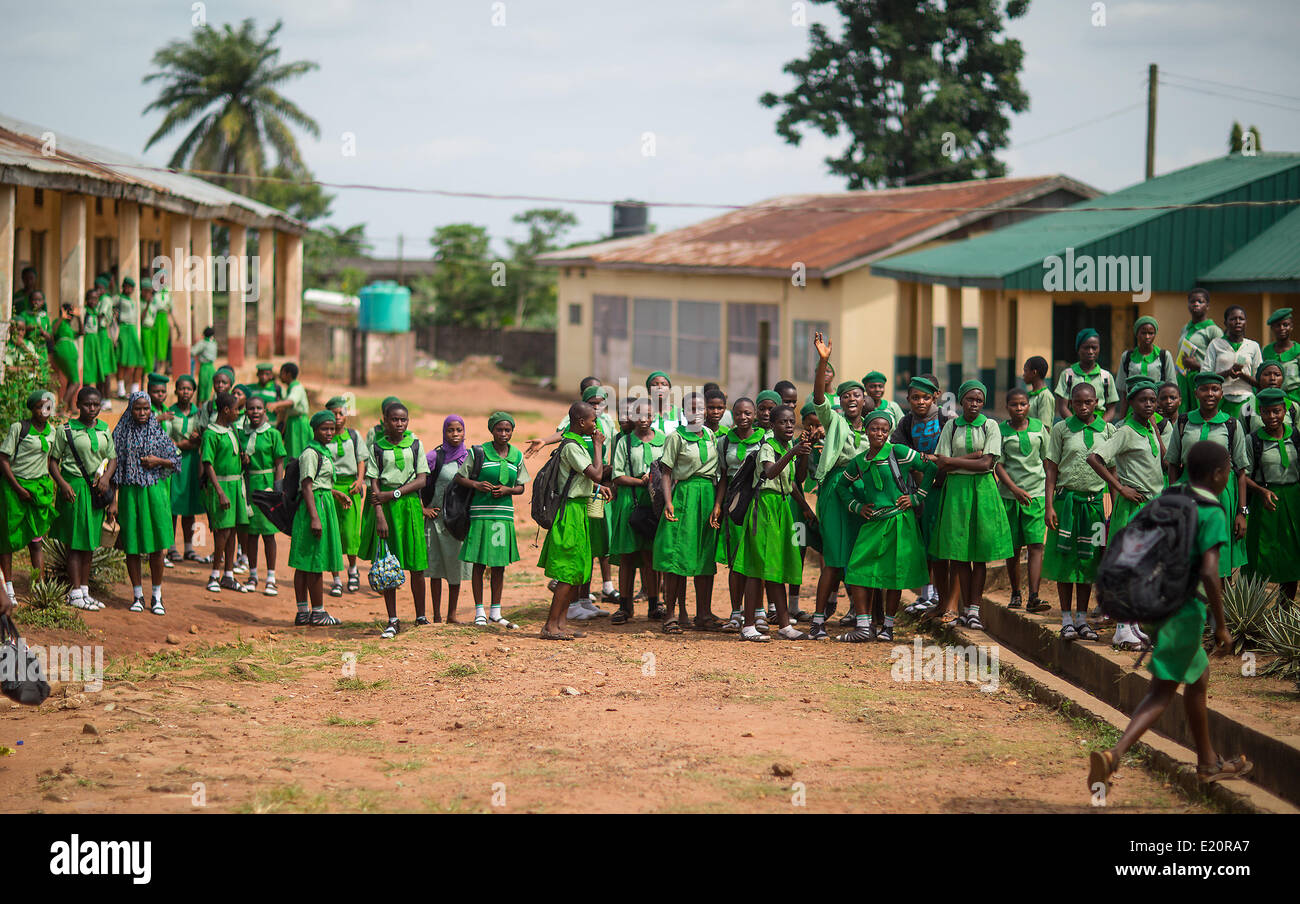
<point>827,233</point>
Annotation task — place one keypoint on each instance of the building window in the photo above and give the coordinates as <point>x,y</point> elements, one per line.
<point>99,206</point>
<point>699,338</point>
<point>805,355</point>
<point>575,315</point>
<point>40,197</point>
<point>652,333</point>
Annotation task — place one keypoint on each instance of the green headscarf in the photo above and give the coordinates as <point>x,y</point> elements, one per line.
<point>1084,335</point>
<point>768,395</point>
<point>1141,322</point>
<point>658,373</point>
<point>186,378</point>
<point>322,417</point>
<point>921,383</point>
<point>592,391</point>
<point>497,417</point>
<point>337,402</point>
<point>846,386</point>
<point>968,386</point>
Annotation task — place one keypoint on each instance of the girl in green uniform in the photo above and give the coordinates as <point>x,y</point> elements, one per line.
<point>1168,401</point>
<point>1145,362</point>
<point>768,557</point>
<point>1271,375</point>
<point>314,546</point>
<point>261,452</point>
<point>1285,351</point>
<point>443,560</point>
<point>1272,538</point>
<point>972,528</point>
<point>686,541</point>
<point>1021,479</point>
<point>735,444</point>
<point>85,456</point>
<point>293,411</point>
<point>1208,422</point>
<point>145,457</point>
<point>764,404</point>
<point>634,453</point>
<point>65,359</point>
<point>1075,512</point>
<point>90,366</point>
<point>130,352</point>
<point>1197,334</point>
<point>223,381</point>
<point>490,544</point>
<point>204,355</point>
<point>873,384</point>
<point>351,457</point>
<point>148,321</point>
<point>1236,359</point>
<point>1087,344</point>
<point>26,486</point>
<point>566,551</point>
<point>266,388</point>
<point>162,328</point>
<point>393,517</point>
<point>186,432</point>
<point>584,607</point>
<point>667,416</point>
<point>106,309</point>
<point>1042,404</point>
<point>224,494</point>
<point>845,439</point>
<point>889,554</point>
<point>1131,462</point>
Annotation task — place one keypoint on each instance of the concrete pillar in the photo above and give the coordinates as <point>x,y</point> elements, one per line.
<point>265,293</point>
<point>201,297</point>
<point>236,281</point>
<point>73,251</point>
<point>178,248</point>
<point>8,213</point>
<point>924,328</point>
<point>1004,341</point>
<point>905,346</point>
<point>128,244</point>
<point>88,229</point>
<point>291,268</point>
<point>988,327</point>
<point>953,338</point>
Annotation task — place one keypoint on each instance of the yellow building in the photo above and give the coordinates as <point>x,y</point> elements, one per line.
<point>736,299</point>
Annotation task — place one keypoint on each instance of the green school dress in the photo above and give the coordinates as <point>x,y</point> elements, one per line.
<point>148,335</point>
<point>144,514</point>
<point>397,466</point>
<point>1290,362</point>
<point>1133,450</point>
<point>566,551</point>
<point>1100,379</point>
<point>91,370</point>
<point>1042,405</point>
<point>268,392</point>
<point>297,429</point>
<point>734,451</point>
<point>1074,551</point>
<point>220,448</point>
<point>347,452</point>
<point>64,355</point>
<point>688,546</point>
<point>186,496</point>
<point>633,457</point>
<point>841,445</point>
<point>889,553</point>
<point>162,329</point>
<point>972,521</point>
<point>204,353</point>
<point>264,447</point>
<point>1215,429</point>
<point>491,539</point>
<point>107,350</point>
<point>600,528</point>
<point>29,460</point>
<point>307,552</point>
<point>769,548</point>
<point>77,524</point>
<point>1194,339</point>
<point>1023,452</point>
<point>1273,538</point>
<point>130,352</point>
<point>1177,651</point>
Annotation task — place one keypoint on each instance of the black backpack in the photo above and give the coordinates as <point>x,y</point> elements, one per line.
<point>280,503</point>
<point>644,519</point>
<point>548,493</point>
<point>1146,573</point>
<point>456,499</point>
<point>741,489</point>
<point>21,677</point>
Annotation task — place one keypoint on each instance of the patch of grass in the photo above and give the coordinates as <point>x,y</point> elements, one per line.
<point>531,612</point>
<point>284,799</point>
<point>325,739</point>
<point>356,684</point>
<point>48,608</point>
<point>436,656</point>
<point>462,670</point>
<point>336,719</point>
<point>391,767</point>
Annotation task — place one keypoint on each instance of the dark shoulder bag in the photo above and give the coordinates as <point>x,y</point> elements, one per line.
<point>98,499</point>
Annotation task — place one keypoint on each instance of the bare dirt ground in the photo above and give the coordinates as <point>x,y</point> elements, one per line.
<point>247,713</point>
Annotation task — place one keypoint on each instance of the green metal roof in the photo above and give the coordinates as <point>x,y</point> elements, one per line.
<point>1269,263</point>
<point>1182,244</point>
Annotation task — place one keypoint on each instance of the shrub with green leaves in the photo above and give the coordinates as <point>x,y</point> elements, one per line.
<point>47,607</point>
<point>107,565</point>
<point>1247,603</point>
<point>1280,636</point>
<point>21,379</point>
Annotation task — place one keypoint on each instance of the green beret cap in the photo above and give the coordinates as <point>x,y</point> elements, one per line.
<point>39,396</point>
<point>337,402</point>
<point>923,384</point>
<point>970,385</point>
<point>592,392</point>
<point>847,385</point>
<point>1279,314</point>
<point>874,377</point>
<point>1271,396</point>
<point>807,409</point>
<point>263,366</point>
<point>657,373</point>
<point>322,417</point>
<point>880,413</point>
<point>101,281</point>
<point>156,379</point>
<point>128,281</point>
<point>497,417</point>
<point>186,378</point>
<point>768,395</point>
<point>1084,335</point>
<point>1138,385</point>
<point>1206,376</point>
<point>391,400</point>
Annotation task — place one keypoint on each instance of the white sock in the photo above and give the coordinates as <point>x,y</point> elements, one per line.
<point>270,574</point>
<point>135,387</point>
<point>749,631</point>
<point>157,592</point>
<point>478,609</point>
<point>608,586</point>
<point>139,590</point>
<point>1080,619</point>
<point>121,387</point>
<point>1065,618</point>
<point>85,590</point>
<point>74,593</point>
<point>252,574</point>
<point>789,631</point>
<point>494,611</point>
<point>230,575</point>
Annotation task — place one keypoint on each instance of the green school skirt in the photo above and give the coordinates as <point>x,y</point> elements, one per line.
<point>688,546</point>
<point>1122,514</point>
<point>187,497</point>
<point>622,538</point>
<point>309,553</point>
<point>889,555</point>
<point>149,346</point>
<point>65,358</point>
<point>801,527</point>
<point>349,518</point>
<point>129,351</point>
<point>600,535</point>
<point>1026,522</point>
<point>162,336</point>
<point>972,521</point>
<point>769,548</point>
<point>1273,538</point>
<point>90,369</point>
<point>208,370</point>
<point>1177,654</point>
<point>258,524</point>
<point>145,516</point>
<point>406,537</point>
<point>730,539</point>
<point>839,526</point>
<point>1070,556</point>
<point>491,542</point>
<point>1237,548</point>
<point>25,521</point>
<point>77,524</point>
<point>107,355</point>
<point>566,552</point>
<point>297,434</point>
<point>237,514</point>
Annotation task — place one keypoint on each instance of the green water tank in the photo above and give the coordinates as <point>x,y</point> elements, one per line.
<point>385,308</point>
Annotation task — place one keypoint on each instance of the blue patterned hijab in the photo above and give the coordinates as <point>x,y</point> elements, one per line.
<point>136,440</point>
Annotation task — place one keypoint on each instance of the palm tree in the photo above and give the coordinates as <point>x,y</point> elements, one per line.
<point>229,81</point>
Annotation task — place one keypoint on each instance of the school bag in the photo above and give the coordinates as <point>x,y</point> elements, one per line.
<point>1159,362</point>
<point>548,492</point>
<point>644,519</point>
<point>1146,573</point>
<point>1232,424</point>
<point>456,499</point>
<point>21,677</point>
<point>1105,387</point>
<point>280,503</point>
<point>741,489</point>
<point>385,571</point>
<point>97,499</point>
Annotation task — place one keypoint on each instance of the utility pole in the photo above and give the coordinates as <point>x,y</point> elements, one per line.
<point>400,239</point>
<point>1152,73</point>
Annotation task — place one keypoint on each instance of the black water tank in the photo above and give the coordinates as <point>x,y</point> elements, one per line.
<point>630,218</point>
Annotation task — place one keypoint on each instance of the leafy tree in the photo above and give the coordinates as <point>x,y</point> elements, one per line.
<point>461,288</point>
<point>228,80</point>
<point>322,246</point>
<point>534,287</point>
<point>1237,139</point>
<point>921,88</point>
<point>300,198</point>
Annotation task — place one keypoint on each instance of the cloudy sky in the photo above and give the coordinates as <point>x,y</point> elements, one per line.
<point>557,101</point>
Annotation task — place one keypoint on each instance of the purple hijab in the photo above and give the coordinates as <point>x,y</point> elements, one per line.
<point>457,453</point>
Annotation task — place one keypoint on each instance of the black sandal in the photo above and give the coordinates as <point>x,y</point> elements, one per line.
<point>620,617</point>
<point>672,627</point>
<point>658,612</point>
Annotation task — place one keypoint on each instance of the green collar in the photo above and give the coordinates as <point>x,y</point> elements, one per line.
<point>1079,371</point>
<point>978,422</point>
<point>404,443</point>
<point>1195,417</point>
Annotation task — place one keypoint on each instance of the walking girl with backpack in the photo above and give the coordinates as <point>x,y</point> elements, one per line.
<point>1145,362</point>
<point>443,556</point>
<point>490,544</point>
<point>1207,422</point>
<point>634,453</point>
<point>262,454</point>
<point>1273,527</point>
<point>82,463</point>
<point>314,545</point>
<point>146,456</point>
<point>27,486</point>
<point>1087,344</point>
<point>394,521</point>
<point>735,444</point>
<point>351,459</point>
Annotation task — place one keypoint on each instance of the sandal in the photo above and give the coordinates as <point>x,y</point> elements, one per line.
<point>354,581</point>
<point>555,635</point>
<point>157,608</point>
<point>1036,605</point>
<point>733,625</point>
<point>503,622</point>
<point>620,617</point>
<point>947,620</point>
<point>709,622</point>
<point>672,627</point>
<point>1016,602</point>
<point>1237,767</point>
<point>193,556</point>
<point>755,638</point>
<point>1069,633</point>
<point>1101,768</point>
<point>973,621</point>
<point>137,606</point>
<point>322,619</point>
<point>1086,632</point>
<point>658,612</point>
<point>422,621</point>
<point>391,630</point>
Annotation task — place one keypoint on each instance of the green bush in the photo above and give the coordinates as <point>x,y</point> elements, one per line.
<point>107,565</point>
<point>21,379</point>
<point>1247,604</point>
<point>48,608</point>
<point>1281,637</point>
